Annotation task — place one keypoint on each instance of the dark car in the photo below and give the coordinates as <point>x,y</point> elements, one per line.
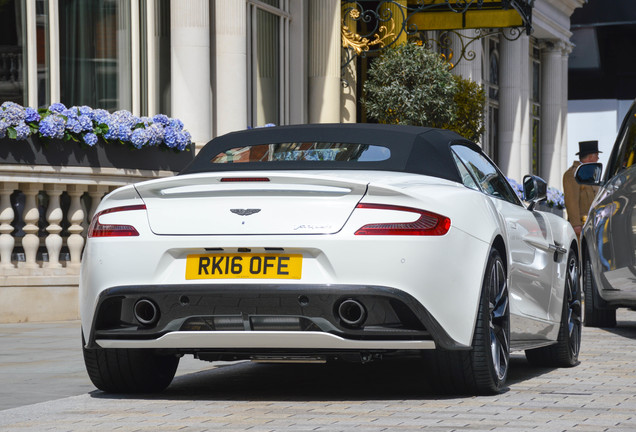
<point>608,239</point>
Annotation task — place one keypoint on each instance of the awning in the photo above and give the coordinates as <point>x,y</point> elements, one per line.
<point>458,14</point>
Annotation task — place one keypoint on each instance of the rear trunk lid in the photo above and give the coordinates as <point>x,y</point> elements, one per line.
<point>253,204</point>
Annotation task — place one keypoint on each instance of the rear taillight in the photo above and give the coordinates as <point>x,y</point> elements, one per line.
<point>97,229</point>
<point>428,224</point>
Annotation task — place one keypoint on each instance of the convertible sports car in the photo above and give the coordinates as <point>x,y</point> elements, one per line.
<point>316,243</point>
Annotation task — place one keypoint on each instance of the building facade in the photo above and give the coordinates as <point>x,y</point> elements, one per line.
<point>602,73</point>
<point>226,65</point>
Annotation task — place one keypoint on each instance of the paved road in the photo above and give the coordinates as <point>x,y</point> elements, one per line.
<point>43,387</point>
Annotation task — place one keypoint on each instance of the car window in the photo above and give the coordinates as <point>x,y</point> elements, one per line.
<point>485,173</point>
<point>624,156</point>
<point>304,151</point>
<point>467,178</point>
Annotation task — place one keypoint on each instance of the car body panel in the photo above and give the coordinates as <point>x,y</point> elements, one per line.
<point>609,233</point>
<point>424,290</point>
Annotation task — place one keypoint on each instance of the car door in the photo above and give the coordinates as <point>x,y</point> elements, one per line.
<point>613,219</point>
<point>531,259</point>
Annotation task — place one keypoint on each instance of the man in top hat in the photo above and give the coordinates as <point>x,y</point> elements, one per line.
<point>578,198</point>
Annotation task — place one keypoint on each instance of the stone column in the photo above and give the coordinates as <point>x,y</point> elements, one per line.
<point>525,115</point>
<point>54,216</point>
<point>6,217</point>
<point>349,96</point>
<point>76,216</point>
<point>324,61</point>
<point>510,68</point>
<point>567,49</point>
<point>551,110</point>
<point>31,216</point>
<point>231,65</point>
<point>191,93</point>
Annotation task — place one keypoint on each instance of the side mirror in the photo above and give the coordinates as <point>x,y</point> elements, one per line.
<point>589,174</point>
<point>535,190</point>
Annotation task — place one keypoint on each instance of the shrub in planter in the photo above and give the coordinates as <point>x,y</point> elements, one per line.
<point>409,84</point>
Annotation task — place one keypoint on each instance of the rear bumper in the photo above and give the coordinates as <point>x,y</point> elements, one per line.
<point>226,318</point>
<point>262,340</point>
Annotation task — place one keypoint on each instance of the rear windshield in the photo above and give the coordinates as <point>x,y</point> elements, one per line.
<point>304,151</point>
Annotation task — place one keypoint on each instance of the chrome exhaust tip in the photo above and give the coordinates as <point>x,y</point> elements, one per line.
<point>352,313</point>
<point>146,312</point>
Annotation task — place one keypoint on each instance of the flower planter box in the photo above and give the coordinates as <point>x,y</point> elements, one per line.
<point>38,151</point>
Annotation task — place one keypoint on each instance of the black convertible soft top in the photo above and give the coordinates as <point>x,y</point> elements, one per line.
<point>414,149</point>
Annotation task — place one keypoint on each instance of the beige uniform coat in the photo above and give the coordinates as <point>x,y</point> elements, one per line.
<point>578,198</point>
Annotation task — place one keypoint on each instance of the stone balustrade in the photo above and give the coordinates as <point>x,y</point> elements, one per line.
<point>44,215</point>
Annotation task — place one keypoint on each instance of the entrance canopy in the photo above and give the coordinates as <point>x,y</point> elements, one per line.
<point>458,14</point>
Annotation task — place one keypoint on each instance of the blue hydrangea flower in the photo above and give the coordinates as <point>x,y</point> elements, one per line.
<point>183,140</point>
<point>139,138</point>
<point>57,108</point>
<point>162,119</point>
<point>155,133</point>
<point>120,125</point>
<point>85,122</point>
<point>73,125</point>
<point>85,110</point>
<point>12,113</point>
<point>3,128</point>
<point>170,137</point>
<point>90,139</point>
<point>52,126</point>
<point>555,198</point>
<point>176,124</point>
<point>146,121</point>
<point>23,131</point>
<point>100,116</point>
<point>32,115</point>
<point>87,125</point>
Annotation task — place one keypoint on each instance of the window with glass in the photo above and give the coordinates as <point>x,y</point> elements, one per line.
<point>624,155</point>
<point>12,51</point>
<point>43,52</point>
<point>304,151</point>
<point>490,73</point>
<point>535,103</point>
<point>268,54</point>
<point>95,53</point>
<point>485,174</point>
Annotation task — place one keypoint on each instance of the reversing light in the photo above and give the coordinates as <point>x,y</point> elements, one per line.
<point>97,229</point>
<point>428,224</point>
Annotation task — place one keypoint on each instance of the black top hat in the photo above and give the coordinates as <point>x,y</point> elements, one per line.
<point>588,147</point>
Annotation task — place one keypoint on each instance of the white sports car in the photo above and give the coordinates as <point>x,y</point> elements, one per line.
<point>322,242</point>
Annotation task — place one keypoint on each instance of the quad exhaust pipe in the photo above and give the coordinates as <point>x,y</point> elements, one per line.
<point>352,313</point>
<point>146,312</point>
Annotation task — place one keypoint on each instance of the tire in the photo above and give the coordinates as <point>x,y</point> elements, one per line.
<point>565,353</point>
<point>116,370</point>
<point>484,368</point>
<point>595,316</point>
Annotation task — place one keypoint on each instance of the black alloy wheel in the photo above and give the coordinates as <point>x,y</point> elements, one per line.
<point>595,315</point>
<point>565,352</point>
<point>484,368</point>
<point>499,320</point>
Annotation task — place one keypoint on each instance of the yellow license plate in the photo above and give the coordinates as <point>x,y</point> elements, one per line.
<point>243,266</point>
